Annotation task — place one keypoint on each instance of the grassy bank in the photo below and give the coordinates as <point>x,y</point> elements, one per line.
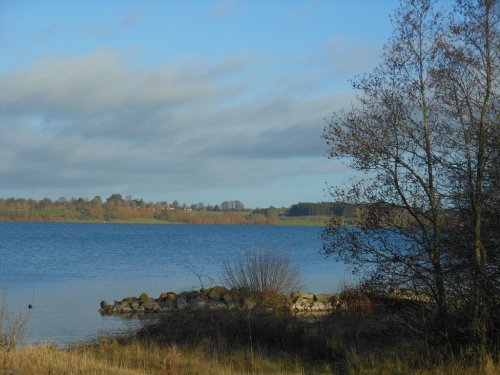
<point>318,221</point>
<point>357,341</point>
<point>110,357</point>
<point>113,358</point>
<point>193,218</point>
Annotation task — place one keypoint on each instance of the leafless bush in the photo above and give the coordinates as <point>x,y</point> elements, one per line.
<point>262,271</point>
<point>355,299</point>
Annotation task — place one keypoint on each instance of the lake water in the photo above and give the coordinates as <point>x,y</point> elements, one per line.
<point>64,270</point>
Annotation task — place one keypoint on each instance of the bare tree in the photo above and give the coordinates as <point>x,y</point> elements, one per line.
<point>391,135</point>
<point>425,133</point>
<point>469,78</point>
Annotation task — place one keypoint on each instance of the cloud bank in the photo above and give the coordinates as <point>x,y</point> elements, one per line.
<point>96,122</point>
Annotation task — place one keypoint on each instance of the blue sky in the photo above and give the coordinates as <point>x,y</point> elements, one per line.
<point>197,101</point>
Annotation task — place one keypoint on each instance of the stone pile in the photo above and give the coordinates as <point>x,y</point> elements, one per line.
<point>221,298</point>
<point>310,304</point>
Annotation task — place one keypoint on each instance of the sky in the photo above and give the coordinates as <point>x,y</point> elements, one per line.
<point>195,101</point>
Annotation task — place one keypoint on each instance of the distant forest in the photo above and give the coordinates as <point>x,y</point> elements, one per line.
<point>119,208</point>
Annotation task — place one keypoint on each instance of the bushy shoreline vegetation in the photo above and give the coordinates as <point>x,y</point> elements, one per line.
<point>370,336</point>
<point>128,210</point>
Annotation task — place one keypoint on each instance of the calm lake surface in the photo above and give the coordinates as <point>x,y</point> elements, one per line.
<point>64,270</point>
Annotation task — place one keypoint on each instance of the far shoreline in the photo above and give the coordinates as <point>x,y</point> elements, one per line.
<point>297,222</point>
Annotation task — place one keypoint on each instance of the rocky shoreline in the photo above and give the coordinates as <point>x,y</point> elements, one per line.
<point>221,298</point>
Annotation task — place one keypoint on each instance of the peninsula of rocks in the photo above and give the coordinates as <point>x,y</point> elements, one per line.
<point>221,298</point>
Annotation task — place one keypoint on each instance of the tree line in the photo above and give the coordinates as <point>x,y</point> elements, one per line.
<point>114,207</point>
<point>117,207</point>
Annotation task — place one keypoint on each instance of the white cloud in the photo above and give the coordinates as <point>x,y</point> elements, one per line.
<point>102,81</point>
<point>96,121</point>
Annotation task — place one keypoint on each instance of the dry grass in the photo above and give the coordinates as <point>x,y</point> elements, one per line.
<point>362,339</point>
<point>112,358</point>
<point>109,357</point>
<point>12,326</point>
<point>371,365</point>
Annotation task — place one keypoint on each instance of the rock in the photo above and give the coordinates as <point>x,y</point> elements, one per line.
<point>196,303</point>
<point>171,295</point>
<point>219,297</point>
<point>326,306</point>
<point>231,297</point>
<point>181,302</point>
<point>233,305</point>
<point>325,298</point>
<point>217,292</point>
<point>216,305</point>
<point>301,295</point>
<point>248,303</point>
<point>151,306</point>
<point>318,306</point>
<point>106,308</point>
<point>121,307</point>
<point>297,307</point>
<point>308,306</point>
<point>163,296</point>
<point>192,295</point>
<point>167,304</point>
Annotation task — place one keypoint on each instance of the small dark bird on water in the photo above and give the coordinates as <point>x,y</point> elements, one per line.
<point>30,306</point>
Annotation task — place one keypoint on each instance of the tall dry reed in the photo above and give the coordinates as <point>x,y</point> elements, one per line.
<point>12,325</point>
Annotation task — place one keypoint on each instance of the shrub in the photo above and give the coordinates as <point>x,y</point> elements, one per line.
<point>263,271</point>
<point>354,298</point>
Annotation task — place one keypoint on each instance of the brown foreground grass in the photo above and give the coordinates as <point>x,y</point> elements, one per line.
<point>364,339</point>
<point>112,358</point>
<point>109,357</point>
